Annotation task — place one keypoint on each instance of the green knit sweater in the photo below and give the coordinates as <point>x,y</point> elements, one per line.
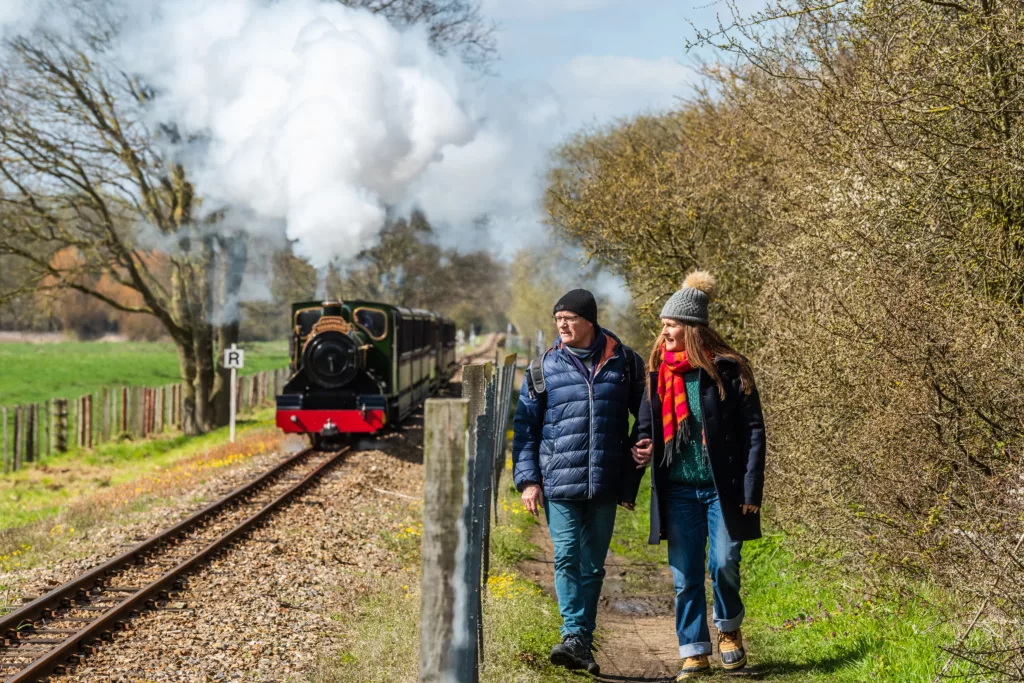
<point>690,464</point>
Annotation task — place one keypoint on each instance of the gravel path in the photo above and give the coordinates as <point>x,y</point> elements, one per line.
<point>265,611</point>
<point>636,628</point>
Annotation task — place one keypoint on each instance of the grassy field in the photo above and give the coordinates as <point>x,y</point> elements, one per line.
<point>30,373</point>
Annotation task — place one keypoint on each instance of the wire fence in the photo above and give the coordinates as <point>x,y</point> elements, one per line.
<point>464,455</point>
<point>32,431</point>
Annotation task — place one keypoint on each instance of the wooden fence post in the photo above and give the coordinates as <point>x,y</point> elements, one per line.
<point>161,400</point>
<point>123,414</point>
<point>105,415</point>
<point>48,426</point>
<point>89,413</point>
<point>7,461</point>
<point>30,433</point>
<point>18,428</point>
<point>446,428</point>
<point>80,413</point>
<point>61,430</point>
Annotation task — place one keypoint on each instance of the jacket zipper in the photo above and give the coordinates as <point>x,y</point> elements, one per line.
<point>590,444</point>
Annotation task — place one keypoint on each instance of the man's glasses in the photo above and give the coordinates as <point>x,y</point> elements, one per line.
<point>568,319</point>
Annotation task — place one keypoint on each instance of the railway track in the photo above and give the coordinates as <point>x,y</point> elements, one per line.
<point>54,631</point>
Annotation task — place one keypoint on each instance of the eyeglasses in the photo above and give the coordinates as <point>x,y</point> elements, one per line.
<point>569,319</point>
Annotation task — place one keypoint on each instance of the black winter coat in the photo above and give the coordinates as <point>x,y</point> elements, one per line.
<point>735,445</point>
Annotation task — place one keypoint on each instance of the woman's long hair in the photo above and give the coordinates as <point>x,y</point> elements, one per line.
<point>703,346</point>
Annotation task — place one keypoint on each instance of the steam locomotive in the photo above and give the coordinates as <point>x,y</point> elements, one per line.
<point>358,366</point>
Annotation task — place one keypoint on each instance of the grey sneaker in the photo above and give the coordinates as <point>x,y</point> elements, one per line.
<point>571,653</point>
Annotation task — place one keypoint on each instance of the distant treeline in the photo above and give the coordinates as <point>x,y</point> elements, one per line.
<point>405,265</point>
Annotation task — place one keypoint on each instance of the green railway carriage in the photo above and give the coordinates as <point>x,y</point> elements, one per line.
<point>360,365</point>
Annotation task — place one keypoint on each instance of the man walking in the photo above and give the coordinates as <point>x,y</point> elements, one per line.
<point>571,454</point>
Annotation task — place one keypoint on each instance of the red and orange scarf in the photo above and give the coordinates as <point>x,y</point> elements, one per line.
<point>675,410</point>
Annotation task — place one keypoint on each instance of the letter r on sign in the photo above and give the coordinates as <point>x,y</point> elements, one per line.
<point>234,358</point>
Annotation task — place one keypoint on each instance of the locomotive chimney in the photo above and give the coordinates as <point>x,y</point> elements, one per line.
<point>331,308</point>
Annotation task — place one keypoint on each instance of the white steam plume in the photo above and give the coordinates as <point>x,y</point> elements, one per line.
<point>311,113</point>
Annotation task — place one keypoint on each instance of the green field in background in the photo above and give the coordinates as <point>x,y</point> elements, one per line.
<point>30,373</point>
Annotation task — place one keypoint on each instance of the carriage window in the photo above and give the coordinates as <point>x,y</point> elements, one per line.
<point>418,342</point>
<point>405,332</point>
<point>373,321</point>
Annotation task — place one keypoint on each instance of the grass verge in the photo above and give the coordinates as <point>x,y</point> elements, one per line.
<point>808,621</point>
<point>45,507</point>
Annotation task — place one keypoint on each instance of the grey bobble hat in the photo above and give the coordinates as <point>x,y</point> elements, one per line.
<point>690,304</point>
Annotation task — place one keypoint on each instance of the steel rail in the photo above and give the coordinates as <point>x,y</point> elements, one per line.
<point>61,597</point>
<point>109,620</point>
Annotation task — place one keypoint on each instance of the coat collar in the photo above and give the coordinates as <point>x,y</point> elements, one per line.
<point>611,347</point>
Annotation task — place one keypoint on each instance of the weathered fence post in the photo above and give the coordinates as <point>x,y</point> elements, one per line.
<point>161,401</point>
<point>18,428</point>
<point>90,414</point>
<point>30,433</point>
<point>446,430</point>
<point>7,461</point>
<point>123,424</point>
<point>105,414</point>
<point>61,430</point>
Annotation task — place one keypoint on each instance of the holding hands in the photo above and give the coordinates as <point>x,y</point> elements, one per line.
<point>642,452</point>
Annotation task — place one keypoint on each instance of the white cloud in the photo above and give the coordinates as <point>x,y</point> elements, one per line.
<point>592,87</point>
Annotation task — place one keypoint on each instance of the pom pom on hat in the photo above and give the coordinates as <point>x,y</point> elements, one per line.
<point>702,280</point>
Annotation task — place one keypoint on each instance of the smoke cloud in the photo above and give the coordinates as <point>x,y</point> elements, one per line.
<point>310,115</point>
<point>303,119</point>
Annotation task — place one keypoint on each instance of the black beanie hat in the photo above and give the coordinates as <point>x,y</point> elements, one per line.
<point>581,302</point>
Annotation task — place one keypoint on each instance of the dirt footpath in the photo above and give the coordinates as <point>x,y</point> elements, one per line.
<point>636,638</point>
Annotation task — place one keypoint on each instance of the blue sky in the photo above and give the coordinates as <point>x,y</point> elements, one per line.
<point>602,58</point>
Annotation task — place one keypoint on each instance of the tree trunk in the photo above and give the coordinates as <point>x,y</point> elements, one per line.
<point>187,362</point>
<point>204,377</point>
<point>221,398</point>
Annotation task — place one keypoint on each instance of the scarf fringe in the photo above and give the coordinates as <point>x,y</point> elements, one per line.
<point>682,436</point>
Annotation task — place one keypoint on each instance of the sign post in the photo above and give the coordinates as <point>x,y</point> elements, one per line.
<point>234,359</point>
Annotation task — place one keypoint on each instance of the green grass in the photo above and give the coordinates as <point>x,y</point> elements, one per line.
<point>41,492</point>
<point>807,621</point>
<point>31,373</point>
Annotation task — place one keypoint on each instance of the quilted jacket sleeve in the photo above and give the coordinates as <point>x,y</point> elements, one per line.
<point>527,424</point>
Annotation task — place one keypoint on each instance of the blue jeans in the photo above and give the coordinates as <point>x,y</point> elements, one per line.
<point>581,531</point>
<point>694,519</point>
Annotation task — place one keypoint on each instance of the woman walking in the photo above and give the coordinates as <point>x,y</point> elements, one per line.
<point>701,423</point>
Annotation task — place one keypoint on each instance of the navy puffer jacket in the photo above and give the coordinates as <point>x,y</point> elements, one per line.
<point>574,439</point>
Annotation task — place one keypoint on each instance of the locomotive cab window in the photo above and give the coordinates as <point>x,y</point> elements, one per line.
<point>373,321</point>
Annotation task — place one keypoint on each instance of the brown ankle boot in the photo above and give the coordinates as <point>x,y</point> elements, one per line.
<point>730,646</point>
<point>693,667</point>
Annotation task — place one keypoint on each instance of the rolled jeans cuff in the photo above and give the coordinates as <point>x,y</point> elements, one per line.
<point>728,625</point>
<point>694,650</point>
